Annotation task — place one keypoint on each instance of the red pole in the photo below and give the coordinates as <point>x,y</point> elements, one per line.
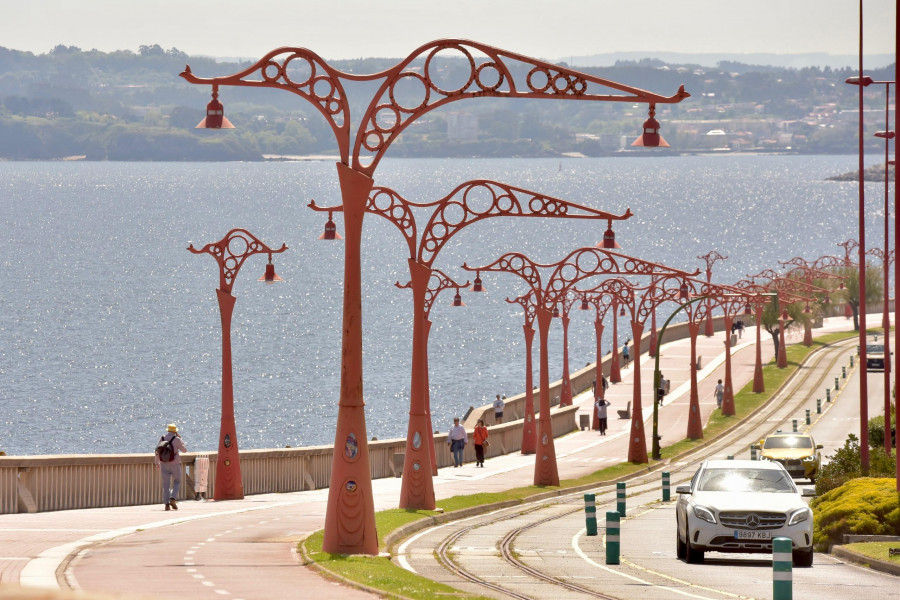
<point>565,392</point>
<point>417,488</point>
<point>886,321</point>
<point>529,435</point>
<point>863,370</point>
<point>545,469</point>
<point>637,443</point>
<point>228,462</point>
<point>781,361</point>
<point>434,470</point>
<point>728,397</point>
<point>598,373</point>
<point>759,384</point>
<point>350,514</point>
<point>695,421</point>
<point>615,376</point>
<point>896,245</point>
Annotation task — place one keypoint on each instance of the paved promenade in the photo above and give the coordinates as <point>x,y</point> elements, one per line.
<point>246,549</point>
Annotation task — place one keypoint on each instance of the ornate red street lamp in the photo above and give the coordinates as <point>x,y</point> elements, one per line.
<point>529,433</point>
<point>565,392</point>
<point>437,282</point>
<point>350,515</point>
<point>578,265</point>
<point>469,203</point>
<point>886,260</point>
<point>807,274</point>
<point>230,253</point>
<point>710,258</point>
<point>756,303</point>
<point>602,303</point>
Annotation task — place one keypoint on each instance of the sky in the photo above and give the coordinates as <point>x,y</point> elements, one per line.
<point>552,29</point>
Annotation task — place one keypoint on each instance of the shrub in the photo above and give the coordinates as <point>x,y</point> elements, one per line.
<point>846,465</point>
<point>866,506</point>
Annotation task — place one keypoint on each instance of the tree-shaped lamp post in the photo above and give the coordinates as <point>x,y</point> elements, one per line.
<point>601,302</point>
<point>710,258</point>
<point>529,434</point>
<point>230,253</point>
<point>469,203</point>
<point>350,514</point>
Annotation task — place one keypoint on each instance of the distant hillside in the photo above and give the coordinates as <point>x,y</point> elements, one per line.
<point>791,61</point>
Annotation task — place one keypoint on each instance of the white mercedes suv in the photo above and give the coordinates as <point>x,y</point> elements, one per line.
<point>741,506</point>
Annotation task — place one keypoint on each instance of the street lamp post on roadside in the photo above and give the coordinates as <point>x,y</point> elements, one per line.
<point>710,258</point>
<point>350,515</point>
<point>230,253</point>
<point>601,303</point>
<point>529,434</point>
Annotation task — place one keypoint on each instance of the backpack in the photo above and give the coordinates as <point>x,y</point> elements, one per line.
<point>164,450</point>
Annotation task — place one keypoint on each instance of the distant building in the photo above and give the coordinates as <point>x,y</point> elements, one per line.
<point>462,127</point>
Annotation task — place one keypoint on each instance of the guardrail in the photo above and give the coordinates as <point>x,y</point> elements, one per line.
<point>65,482</point>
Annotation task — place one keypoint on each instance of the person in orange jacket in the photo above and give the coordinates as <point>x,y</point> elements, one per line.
<point>480,439</point>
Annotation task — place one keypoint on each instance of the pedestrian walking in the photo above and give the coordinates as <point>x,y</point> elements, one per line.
<point>720,393</point>
<point>600,405</point>
<point>604,385</point>
<point>625,355</point>
<point>498,410</point>
<point>167,459</point>
<point>457,441</point>
<point>480,439</point>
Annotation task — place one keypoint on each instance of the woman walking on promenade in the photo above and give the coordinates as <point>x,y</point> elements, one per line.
<point>480,439</point>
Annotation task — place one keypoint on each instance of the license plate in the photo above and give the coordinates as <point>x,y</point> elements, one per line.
<point>752,535</point>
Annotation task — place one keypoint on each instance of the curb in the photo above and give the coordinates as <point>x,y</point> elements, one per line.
<point>866,561</point>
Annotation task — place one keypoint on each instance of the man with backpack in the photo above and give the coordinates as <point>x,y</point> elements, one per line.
<point>168,460</point>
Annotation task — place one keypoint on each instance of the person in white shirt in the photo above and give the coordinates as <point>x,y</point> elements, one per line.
<point>498,410</point>
<point>457,440</point>
<point>720,393</point>
<point>170,470</point>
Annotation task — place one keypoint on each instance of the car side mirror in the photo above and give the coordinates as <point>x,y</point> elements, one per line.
<point>808,492</point>
<point>819,446</point>
<point>683,489</point>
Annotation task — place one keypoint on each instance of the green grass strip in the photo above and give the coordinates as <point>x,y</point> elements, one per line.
<point>380,574</point>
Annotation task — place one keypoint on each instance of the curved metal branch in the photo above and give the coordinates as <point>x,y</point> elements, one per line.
<point>231,251</point>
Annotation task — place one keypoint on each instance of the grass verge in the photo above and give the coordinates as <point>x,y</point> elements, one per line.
<point>877,550</point>
<point>382,576</point>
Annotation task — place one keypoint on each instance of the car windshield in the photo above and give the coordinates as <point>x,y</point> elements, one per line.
<point>791,441</point>
<point>745,480</point>
<point>875,348</point>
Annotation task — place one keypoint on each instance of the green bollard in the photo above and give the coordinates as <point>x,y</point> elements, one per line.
<point>590,513</point>
<point>828,395</point>
<point>729,457</point>
<point>807,417</point>
<point>782,565</point>
<point>837,383</point>
<point>795,425</point>
<point>844,372</point>
<point>620,499</point>
<point>851,361</point>
<point>818,406</point>
<point>612,538</point>
<point>666,494</point>
<point>752,451</point>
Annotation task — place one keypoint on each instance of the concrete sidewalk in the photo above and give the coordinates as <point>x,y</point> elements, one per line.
<point>245,549</point>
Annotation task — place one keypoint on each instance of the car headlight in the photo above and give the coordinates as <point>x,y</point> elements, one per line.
<point>798,516</point>
<point>704,514</point>
<point>809,458</point>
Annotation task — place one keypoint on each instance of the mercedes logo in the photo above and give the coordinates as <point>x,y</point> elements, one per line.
<point>752,521</point>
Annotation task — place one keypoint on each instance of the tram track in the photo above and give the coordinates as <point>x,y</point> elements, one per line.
<point>795,392</point>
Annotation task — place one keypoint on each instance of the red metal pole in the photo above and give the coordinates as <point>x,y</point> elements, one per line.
<point>545,469</point>
<point>434,469</point>
<point>781,361</point>
<point>529,434</point>
<point>695,420</point>
<point>885,319</point>
<point>350,514</point>
<point>565,392</point>
<point>863,369</point>
<point>418,491</point>
<point>896,244</point>
<point>759,385</point>
<point>637,443</point>
<point>615,375</point>
<point>228,463</point>
<point>728,397</point>
<point>598,373</point>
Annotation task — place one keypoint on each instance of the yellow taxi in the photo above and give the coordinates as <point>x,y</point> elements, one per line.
<point>798,452</point>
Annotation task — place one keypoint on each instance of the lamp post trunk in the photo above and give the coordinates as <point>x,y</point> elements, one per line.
<point>350,514</point>
<point>228,462</point>
<point>417,487</point>
<point>807,334</point>
<point>615,376</point>
<point>598,374</point>
<point>728,396</point>
<point>434,469</point>
<point>781,363</point>
<point>545,469</point>
<point>759,384</point>
<point>654,338</point>
<point>565,392</point>
<point>637,443</point>
<point>695,422</point>
<point>529,433</point>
